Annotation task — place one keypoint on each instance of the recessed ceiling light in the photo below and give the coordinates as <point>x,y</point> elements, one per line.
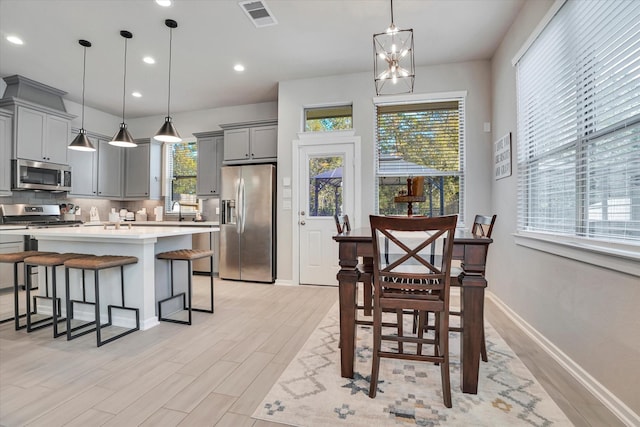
<point>238,67</point>
<point>149,60</point>
<point>164,3</point>
<point>15,39</point>
<point>137,94</point>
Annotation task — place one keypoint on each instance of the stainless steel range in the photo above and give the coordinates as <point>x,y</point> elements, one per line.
<point>34,216</point>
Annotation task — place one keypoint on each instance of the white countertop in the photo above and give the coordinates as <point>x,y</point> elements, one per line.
<point>12,227</point>
<point>124,233</point>
<point>174,223</point>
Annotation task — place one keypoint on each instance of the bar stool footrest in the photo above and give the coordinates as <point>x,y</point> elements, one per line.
<point>110,307</point>
<point>184,307</point>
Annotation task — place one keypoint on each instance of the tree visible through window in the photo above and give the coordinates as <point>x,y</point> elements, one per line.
<point>182,170</point>
<point>424,139</point>
<point>325,119</point>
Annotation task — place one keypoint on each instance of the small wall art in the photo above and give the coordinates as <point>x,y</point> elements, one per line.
<point>502,157</point>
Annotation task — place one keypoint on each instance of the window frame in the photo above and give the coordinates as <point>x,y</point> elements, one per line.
<point>618,255</point>
<point>425,98</point>
<point>167,188</point>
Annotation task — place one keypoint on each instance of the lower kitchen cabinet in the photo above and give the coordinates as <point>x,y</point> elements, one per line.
<point>9,244</point>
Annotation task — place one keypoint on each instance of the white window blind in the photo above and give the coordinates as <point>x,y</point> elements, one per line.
<point>579,124</point>
<point>421,139</point>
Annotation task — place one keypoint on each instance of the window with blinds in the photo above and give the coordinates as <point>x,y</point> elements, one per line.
<point>421,139</point>
<point>578,89</point>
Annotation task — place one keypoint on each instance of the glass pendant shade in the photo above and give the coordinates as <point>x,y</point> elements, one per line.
<point>394,67</point>
<point>168,132</point>
<point>81,142</point>
<point>123,138</point>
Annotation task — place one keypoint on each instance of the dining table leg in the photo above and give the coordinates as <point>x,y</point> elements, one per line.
<point>472,305</point>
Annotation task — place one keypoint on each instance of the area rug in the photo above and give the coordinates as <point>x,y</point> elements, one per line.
<point>311,392</point>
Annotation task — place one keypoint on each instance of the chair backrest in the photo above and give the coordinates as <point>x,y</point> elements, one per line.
<point>413,253</point>
<point>342,223</point>
<point>483,225</point>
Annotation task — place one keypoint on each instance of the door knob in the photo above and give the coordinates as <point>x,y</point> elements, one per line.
<point>302,213</point>
<point>302,223</point>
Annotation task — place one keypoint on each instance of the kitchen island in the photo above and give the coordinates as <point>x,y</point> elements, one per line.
<point>145,282</point>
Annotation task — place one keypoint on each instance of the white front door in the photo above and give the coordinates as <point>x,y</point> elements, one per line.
<point>327,186</point>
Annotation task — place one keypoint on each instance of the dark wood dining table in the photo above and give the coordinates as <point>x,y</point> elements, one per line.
<point>470,249</point>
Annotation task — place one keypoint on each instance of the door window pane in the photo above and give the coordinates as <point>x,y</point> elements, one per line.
<point>325,186</point>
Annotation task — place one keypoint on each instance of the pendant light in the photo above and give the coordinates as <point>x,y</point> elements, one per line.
<point>81,142</point>
<point>167,132</point>
<point>394,67</point>
<point>123,137</point>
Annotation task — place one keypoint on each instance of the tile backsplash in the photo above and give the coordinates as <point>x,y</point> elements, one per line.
<point>104,206</point>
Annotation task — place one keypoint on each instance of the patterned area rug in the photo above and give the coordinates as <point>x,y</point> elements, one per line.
<point>311,392</point>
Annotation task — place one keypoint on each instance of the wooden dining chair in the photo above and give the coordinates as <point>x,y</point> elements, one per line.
<point>412,272</point>
<point>482,227</point>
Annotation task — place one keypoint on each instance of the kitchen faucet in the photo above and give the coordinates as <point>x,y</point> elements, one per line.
<point>180,205</point>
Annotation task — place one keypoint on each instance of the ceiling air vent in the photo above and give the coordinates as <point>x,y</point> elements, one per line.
<point>258,13</point>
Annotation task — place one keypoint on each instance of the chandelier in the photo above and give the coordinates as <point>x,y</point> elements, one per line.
<point>394,68</point>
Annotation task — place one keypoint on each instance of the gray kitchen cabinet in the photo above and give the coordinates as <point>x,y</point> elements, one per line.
<point>210,147</point>
<point>142,172</point>
<point>250,142</point>
<point>6,127</point>
<point>41,124</point>
<point>110,170</point>
<point>10,244</point>
<point>84,170</point>
<point>41,136</point>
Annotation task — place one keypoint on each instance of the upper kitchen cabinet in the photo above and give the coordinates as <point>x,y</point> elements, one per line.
<point>110,170</point>
<point>41,124</point>
<point>251,142</point>
<point>210,147</point>
<point>6,127</point>
<point>84,169</point>
<point>143,168</point>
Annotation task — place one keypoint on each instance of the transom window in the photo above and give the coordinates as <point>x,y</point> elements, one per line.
<point>323,119</point>
<point>421,139</point>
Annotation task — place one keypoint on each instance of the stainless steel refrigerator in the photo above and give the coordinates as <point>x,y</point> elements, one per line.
<point>247,223</point>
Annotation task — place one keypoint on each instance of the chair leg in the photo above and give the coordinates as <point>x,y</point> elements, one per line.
<point>444,351</point>
<point>400,321</point>
<point>483,347</point>
<point>420,330</point>
<point>375,361</point>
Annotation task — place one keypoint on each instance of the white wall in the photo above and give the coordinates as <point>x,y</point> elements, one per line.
<point>293,96</point>
<point>589,313</point>
<point>203,120</point>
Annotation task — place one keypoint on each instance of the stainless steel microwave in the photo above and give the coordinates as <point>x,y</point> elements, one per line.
<point>31,175</point>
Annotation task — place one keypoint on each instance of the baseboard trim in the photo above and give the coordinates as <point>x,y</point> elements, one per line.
<point>281,282</point>
<point>608,399</point>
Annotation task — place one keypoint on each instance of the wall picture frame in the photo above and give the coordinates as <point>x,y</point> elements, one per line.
<point>502,157</point>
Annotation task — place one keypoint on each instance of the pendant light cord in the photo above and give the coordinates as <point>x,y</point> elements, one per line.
<point>169,97</point>
<point>391,12</point>
<point>84,72</point>
<point>124,82</point>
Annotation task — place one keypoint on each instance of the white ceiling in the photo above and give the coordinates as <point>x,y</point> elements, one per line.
<point>312,38</point>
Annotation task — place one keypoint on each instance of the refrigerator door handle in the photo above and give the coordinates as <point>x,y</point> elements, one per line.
<point>242,207</point>
<point>239,207</point>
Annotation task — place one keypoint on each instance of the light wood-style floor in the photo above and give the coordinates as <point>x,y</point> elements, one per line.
<point>214,372</point>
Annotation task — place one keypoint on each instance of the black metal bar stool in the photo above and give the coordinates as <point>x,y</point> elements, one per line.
<point>95,264</point>
<point>188,255</point>
<point>47,261</point>
<point>16,258</point>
